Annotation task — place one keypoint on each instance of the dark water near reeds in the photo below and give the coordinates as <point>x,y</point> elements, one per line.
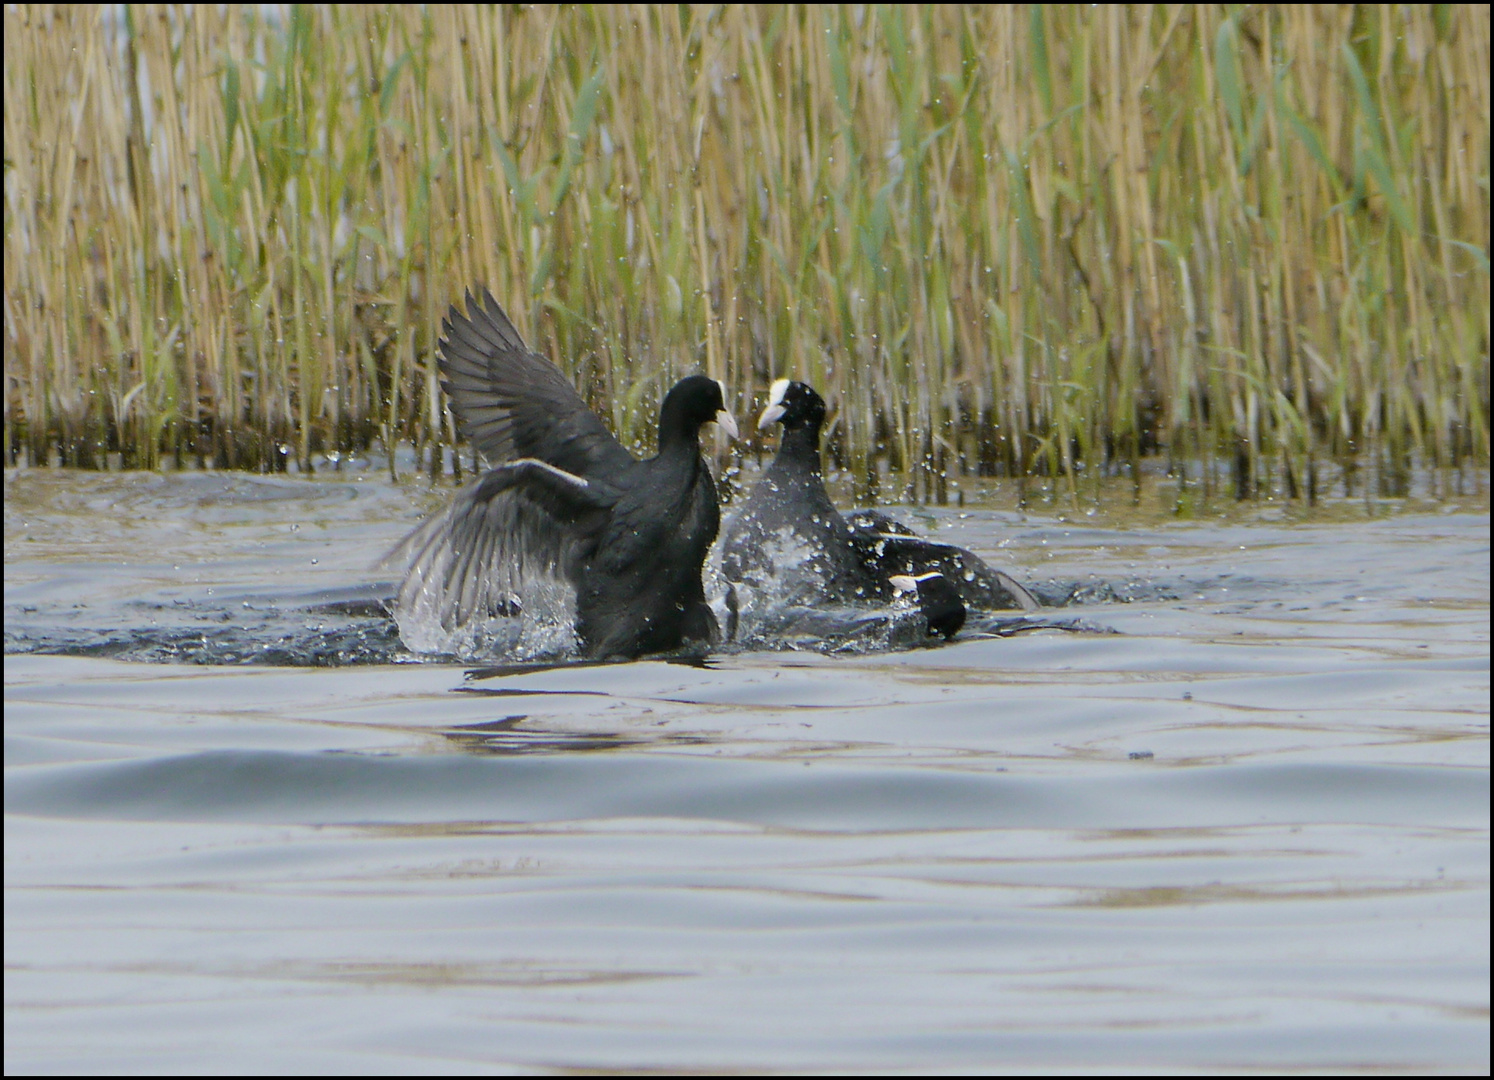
<point>1228,810</point>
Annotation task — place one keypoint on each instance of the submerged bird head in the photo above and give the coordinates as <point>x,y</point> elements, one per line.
<point>938,599</point>
<point>691,402</point>
<point>795,404</point>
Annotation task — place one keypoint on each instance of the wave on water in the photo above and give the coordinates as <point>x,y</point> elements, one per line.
<point>337,628</point>
<point>347,627</point>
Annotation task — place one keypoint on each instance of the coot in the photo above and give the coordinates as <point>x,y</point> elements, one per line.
<point>938,599</point>
<point>892,546</point>
<point>789,528</point>
<point>565,501</point>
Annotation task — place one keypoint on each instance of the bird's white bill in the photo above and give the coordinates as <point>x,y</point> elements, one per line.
<point>775,408</point>
<point>904,583</point>
<point>727,423</point>
<point>770,416</point>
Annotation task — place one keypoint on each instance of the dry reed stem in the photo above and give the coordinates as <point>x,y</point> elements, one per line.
<point>1000,240</point>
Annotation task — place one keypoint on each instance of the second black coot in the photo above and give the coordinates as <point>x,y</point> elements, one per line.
<point>789,513</point>
<point>938,599</point>
<point>564,500</point>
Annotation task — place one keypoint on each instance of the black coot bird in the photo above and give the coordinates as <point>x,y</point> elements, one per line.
<point>788,516</point>
<point>938,599</point>
<point>565,501</point>
<point>789,512</point>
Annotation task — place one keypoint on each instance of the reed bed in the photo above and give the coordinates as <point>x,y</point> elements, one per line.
<point>1002,241</point>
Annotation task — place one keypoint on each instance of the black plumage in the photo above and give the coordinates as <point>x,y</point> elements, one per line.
<point>891,547</point>
<point>835,558</point>
<point>564,501</point>
<point>788,516</point>
<point>938,599</point>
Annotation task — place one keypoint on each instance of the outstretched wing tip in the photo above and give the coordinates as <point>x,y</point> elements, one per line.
<point>511,402</point>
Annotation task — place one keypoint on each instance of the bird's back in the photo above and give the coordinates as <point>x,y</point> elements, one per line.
<point>641,591</point>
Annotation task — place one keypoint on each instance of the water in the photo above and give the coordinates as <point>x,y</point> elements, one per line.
<point>1232,813</point>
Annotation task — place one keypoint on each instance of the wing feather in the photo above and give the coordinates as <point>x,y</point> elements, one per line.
<point>513,403</point>
<point>517,526</point>
<point>493,317</point>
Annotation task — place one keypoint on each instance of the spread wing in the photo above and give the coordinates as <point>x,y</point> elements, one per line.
<point>513,403</point>
<point>519,524</point>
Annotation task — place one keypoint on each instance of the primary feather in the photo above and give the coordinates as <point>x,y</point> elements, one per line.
<point>564,502</point>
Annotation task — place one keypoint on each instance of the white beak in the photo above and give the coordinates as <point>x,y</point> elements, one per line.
<point>902,583</point>
<point>775,404</point>
<point>905,583</point>
<point>727,422</point>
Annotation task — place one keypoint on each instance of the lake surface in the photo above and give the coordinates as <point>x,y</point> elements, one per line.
<point>1231,812</point>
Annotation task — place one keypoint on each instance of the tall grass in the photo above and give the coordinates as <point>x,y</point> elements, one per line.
<point>1001,240</point>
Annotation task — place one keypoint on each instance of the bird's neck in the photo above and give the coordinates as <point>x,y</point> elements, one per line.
<point>800,449</point>
<point>679,447</point>
<point>674,441</point>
